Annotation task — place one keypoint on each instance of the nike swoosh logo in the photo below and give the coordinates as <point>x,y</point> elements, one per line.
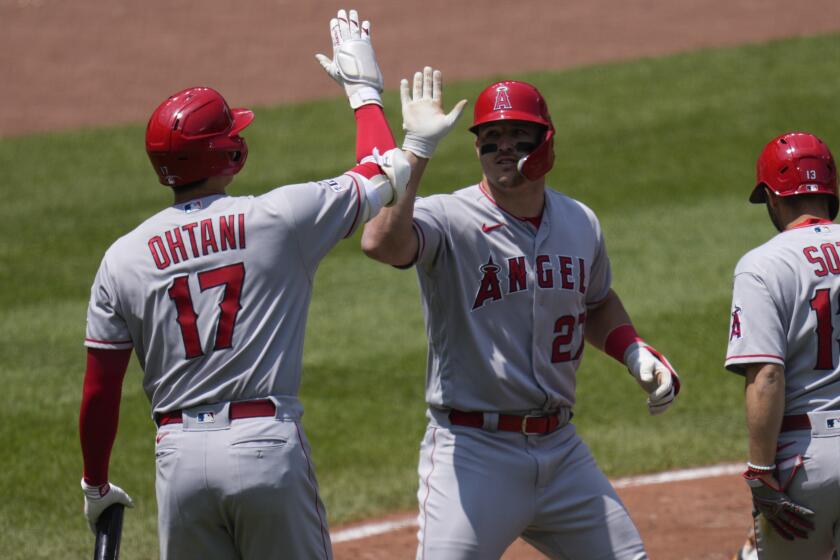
<point>487,229</point>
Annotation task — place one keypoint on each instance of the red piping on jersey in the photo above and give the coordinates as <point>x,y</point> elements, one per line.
<point>95,341</point>
<point>755,356</point>
<point>534,220</point>
<point>809,222</point>
<point>428,491</point>
<point>358,206</point>
<point>315,486</point>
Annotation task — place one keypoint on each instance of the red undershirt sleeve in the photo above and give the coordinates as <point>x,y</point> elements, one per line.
<point>100,410</point>
<point>372,131</point>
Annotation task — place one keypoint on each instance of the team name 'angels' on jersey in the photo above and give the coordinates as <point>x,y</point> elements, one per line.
<point>504,302</point>
<point>213,294</point>
<point>785,306</point>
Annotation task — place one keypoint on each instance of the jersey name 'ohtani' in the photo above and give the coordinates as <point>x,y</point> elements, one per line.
<point>197,239</point>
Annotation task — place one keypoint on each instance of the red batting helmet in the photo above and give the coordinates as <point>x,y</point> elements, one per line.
<point>518,101</point>
<point>796,163</point>
<point>194,135</point>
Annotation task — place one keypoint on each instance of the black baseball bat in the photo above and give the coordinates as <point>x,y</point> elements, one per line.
<point>108,533</point>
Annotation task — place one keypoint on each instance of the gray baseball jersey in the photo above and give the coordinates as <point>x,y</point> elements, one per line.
<point>213,294</point>
<point>785,310</point>
<point>505,303</point>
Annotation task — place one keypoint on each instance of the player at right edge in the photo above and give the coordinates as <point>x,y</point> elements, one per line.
<point>783,338</point>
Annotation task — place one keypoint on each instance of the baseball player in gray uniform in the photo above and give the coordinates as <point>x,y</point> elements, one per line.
<point>514,276</point>
<point>212,295</point>
<point>783,339</point>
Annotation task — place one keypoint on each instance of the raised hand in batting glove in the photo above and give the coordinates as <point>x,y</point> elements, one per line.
<point>97,498</point>
<point>424,121</point>
<point>654,374</point>
<point>353,64</point>
<point>789,519</point>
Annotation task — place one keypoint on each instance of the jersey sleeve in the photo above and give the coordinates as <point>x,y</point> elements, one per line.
<point>322,213</point>
<point>106,328</point>
<point>756,334</point>
<point>600,273</point>
<point>429,227</point>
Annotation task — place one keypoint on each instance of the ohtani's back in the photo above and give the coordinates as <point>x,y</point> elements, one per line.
<point>217,295</point>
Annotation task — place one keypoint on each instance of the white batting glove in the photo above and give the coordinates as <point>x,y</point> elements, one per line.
<point>424,121</point>
<point>396,170</point>
<point>97,498</point>
<point>353,64</point>
<point>654,374</point>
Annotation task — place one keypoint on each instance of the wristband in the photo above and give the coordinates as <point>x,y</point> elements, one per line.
<point>361,95</point>
<point>760,469</point>
<point>419,146</point>
<point>619,339</point>
<point>95,491</point>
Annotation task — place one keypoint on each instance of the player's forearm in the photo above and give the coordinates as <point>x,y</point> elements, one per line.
<point>372,131</point>
<point>601,320</point>
<point>765,406</point>
<point>389,237</point>
<point>100,410</point>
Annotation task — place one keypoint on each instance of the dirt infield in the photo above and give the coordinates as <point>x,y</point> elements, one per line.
<point>69,64</point>
<point>91,62</point>
<point>703,519</point>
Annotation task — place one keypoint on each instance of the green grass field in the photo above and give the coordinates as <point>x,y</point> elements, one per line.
<point>662,149</point>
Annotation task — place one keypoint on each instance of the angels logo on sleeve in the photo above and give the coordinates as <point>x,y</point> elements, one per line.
<point>735,328</point>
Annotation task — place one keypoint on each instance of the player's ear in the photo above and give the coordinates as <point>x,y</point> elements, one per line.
<point>772,198</point>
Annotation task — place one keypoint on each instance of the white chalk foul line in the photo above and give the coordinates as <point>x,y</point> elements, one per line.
<point>382,527</point>
<point>674,476</point>
<point>373,529</point>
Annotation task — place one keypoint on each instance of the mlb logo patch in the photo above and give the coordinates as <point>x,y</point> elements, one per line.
<point>833,423</point>
<point>334,185</point>
<point>205,418</point>
<point>194,206</point>
<point>821,229</point>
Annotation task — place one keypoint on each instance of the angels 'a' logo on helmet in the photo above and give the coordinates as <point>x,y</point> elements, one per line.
<point>502,99</point>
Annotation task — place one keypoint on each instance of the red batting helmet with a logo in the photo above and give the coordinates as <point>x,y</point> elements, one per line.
<point>796,163</point>
<point>194,135</point>
<point>518,101</point>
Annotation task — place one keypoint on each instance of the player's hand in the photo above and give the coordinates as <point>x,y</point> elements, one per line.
<point>353,64</point>
<point>789,519</point>
<point>424,121</point>
<point>97,498</point>
<point>654,374</point>
<point>397,171</point>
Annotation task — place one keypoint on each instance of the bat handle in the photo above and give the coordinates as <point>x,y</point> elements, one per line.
<point>108,532</point>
